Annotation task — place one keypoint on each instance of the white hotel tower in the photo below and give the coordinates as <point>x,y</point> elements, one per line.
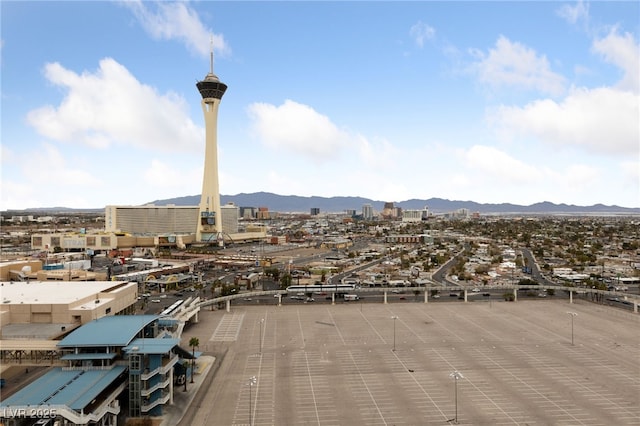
<point>210,222</point>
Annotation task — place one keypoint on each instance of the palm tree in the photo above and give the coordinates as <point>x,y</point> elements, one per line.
<point>194,342</point>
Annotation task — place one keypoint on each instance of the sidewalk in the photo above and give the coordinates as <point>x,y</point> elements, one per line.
<point>173,413</point>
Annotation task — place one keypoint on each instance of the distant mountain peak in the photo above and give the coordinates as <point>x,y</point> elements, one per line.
<point>303,204</point>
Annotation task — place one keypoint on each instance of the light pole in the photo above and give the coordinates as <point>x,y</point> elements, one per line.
<point>252,381</point>
<point>261,325</point>
<point>394,318</point>
<point>456,375</point>
<point>573,314</point>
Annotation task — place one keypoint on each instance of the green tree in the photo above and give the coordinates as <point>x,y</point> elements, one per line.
<point>273,273</point>
<point>285,281</point>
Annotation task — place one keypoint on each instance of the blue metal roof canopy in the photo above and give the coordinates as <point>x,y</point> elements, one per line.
<point>151,346</point>
<point>72,388</point>
<point>117,330</point>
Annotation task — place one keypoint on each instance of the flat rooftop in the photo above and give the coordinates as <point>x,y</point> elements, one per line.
<point>51,292</point>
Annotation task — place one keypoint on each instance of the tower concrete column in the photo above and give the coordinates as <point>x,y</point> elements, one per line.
<point>210,220</point>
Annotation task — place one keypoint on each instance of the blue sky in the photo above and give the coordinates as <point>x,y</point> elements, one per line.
<point>517,102</point>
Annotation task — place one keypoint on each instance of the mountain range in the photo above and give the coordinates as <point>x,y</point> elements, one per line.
<point>298,204</point>
<point>294,203</point>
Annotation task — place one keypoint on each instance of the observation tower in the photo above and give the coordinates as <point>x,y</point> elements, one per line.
<point>210,223</point>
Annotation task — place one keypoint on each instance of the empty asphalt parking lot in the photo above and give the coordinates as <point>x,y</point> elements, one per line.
<point>336,365</point>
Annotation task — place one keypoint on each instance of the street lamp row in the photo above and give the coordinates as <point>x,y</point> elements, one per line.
<point>252,382</point>
<point>573,315</point>
<point>456,375</point>
<point>394,318</point>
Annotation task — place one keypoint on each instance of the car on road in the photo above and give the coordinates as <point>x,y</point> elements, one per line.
<point>155,300</point>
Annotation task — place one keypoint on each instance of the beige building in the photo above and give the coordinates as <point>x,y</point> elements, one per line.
<point>9,271</point>
<point>63,302</point>
<point>102,242</point>
<point>128,227</point>
<point>74,241</point>
<point>230,214</point>
<point>151,219</point>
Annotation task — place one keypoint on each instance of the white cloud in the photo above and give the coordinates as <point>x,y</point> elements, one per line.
<point>422,32</point>
<point>495,164</point>
<point>111,106</point>
<point>169,178</point>
<point>298,128</point>
<point>623,52</point>
<point>48,178</point>
<point>601,120</point>
<point>380,154</point>
<point>487,174</point>
<point>511,64</point>
<point>580,176</point>
<point>176,20</point>
<point>48,165</point>
<point>575,13</point>
<point>631,171</point>
<point>6,153</point>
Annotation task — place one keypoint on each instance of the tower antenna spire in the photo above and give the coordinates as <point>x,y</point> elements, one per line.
<point>211,56</point>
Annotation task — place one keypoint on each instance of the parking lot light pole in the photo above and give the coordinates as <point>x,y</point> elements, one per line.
<point>252,381</point>
<point>456,375</point>
<point>573,314</point>
<point>261,325</point>
<point>394,318</point>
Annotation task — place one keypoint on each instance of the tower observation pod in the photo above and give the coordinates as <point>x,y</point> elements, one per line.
<point>210,224</point>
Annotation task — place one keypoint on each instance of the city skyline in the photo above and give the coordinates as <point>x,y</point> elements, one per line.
<point>491,102</point>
